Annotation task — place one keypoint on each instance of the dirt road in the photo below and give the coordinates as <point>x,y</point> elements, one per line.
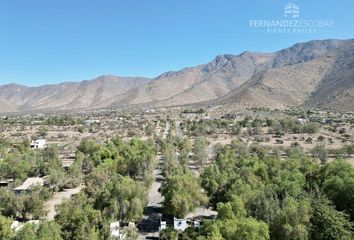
<point>58,198</point>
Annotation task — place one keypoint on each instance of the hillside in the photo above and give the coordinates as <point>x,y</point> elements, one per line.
<point>312,74</point>
<point>65,96</point>
<point>315,74</point>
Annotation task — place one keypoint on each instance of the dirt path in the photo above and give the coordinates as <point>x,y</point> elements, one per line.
<point>202,212</point>
<point>58,198</point>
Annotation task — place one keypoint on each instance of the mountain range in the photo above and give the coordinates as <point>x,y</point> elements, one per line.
<point>317,74</point>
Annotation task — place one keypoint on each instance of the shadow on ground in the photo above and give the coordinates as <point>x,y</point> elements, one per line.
<point>152,223</point>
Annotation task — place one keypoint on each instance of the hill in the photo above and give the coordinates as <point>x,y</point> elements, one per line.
<point>312,74</point>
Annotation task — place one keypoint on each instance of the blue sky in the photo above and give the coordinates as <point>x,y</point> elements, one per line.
<point>50,41</point>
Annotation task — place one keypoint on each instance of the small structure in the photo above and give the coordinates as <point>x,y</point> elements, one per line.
<point>39,143</point>
<point>28,184</point>
<point>163,225</point>
<point>329,121</point>
<point>196,223</point>
<point>91,121</point>
<point>115,230</point>
<point>6,182</point>
<point>179,224</point>
<point>150,110</point>
<point>16,225</point>
<point>302,121</point>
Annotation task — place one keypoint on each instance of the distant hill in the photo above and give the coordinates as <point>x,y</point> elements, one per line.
<point>65,96</point>
<point>312,74</point>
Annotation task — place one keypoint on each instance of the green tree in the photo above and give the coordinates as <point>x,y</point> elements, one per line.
<point>327,223</point>
<point>42,231</point>
<point>27,232</point>
<point>49,230</point>
<point>237,229</point>
<point>233,209</point>
<point>339,185</point>
<point>32,204</point>
<point>183,159</point>
<point>349,149</point>
<point>212,234</point>
<point>78,219</point>
<point>182,195</point>
<point>170,164</point>
<point>168,234</point>
<point>320,152</point>
<point>10,204</point>
<point>199,152</point>
<point>122,198</point>
<point>292,220</point>
<point>5,230</point>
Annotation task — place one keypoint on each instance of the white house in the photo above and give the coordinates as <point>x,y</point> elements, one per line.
<point>179,224</point>
<point>39,143</point>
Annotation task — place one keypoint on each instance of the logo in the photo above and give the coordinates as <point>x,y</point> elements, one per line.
<point>291,10</point>
<point>291,23</point>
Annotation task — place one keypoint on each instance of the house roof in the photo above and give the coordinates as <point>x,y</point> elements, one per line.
<point>30,182</point>
<point>6,181</point>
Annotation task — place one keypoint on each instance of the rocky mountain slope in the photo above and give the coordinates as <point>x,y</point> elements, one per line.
<point>201,83</point>
<point>313,74</point>
<point>65,96</point>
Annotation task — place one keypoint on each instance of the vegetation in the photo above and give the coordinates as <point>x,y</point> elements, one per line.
<point>117,175</point>
<point>199,152</point>
<point>182,195</point>
<point>287,199</point>
<point>267,177</point>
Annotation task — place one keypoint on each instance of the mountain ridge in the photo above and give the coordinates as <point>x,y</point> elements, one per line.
<point>317,73</point>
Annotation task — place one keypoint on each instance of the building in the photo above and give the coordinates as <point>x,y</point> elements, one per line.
<point>150,110</point>
<point>39,143</point>
<point>6,182</point>
<point>28,184</point>
<point>179,224</point>
<point>163,225</point>
<point>302,121</point>
<point>115,230</point>
<point>91,121</point>
<point>329,121</point>
<point>197,223</point>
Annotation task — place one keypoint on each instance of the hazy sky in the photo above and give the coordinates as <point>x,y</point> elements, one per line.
<point>50,41</point>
